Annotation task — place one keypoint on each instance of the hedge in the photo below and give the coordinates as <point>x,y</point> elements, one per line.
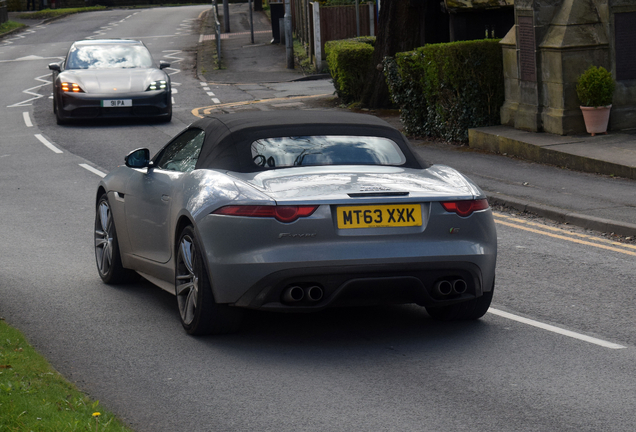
<point>445,89</point>
<point>349,61</point>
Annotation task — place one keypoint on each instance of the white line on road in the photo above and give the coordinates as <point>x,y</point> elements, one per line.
<point>48,144</point>
<point>93,170</point>
<point>28,91</point>
<point>210,93</point>
<point>555,329</point>
<point>27,119</point>
<point>216,101</point>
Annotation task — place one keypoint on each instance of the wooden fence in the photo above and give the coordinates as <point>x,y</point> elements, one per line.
<point>335,22</point>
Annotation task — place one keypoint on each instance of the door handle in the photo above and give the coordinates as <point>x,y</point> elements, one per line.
<point>165,198</point>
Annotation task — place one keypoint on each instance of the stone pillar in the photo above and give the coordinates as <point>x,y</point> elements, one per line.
<point>576,39</point>
<point>555,41</point>
<point>511,78</point>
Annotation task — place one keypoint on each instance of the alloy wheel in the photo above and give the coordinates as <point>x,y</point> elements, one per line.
<point>187,280</point>
<point>104,238</point>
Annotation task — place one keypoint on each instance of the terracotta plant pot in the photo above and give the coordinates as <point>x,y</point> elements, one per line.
<point>596,119</point>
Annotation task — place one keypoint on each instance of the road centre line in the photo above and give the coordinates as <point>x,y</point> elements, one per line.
<point>27,119</point>
<point>48,144</point>
<point>555,329</point>
<point>563,237</point>
<point>93,170</point>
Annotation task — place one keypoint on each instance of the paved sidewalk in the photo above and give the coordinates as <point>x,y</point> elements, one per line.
<point>613,154</point>
<point>245,62</point>
<point>604,202</point>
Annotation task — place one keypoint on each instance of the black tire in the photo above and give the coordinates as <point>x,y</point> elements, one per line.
<point>58,119</point>
<point>199,313</point>
<point>468,310</point>
<point>107,253</point>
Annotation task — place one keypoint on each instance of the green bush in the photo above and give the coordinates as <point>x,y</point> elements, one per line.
<point>445,89</point>
<point>349,61</point>
<point>595,87</point>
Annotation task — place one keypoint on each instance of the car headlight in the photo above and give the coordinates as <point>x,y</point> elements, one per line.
<point>157,85</point>
<point>71,88</point>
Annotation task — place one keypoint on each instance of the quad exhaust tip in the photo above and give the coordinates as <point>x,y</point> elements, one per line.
<point>447,287</point>
<point>295,294</point>
<point>315,293</point>
<point>459,286</point>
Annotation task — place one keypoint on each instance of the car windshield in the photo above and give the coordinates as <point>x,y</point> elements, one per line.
<point>109,56</point>
<point>326,150</point>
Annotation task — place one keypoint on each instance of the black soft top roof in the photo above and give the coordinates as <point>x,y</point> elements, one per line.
<point>229,137</point>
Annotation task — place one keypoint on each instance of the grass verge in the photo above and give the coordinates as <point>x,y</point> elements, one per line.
<point>8,26</point>
<point>52,13</point>
<point>34,397</point>
<point>302,59</point>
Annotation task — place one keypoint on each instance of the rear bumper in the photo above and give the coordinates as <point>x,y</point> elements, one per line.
<point>365,285</point>
<point>84,106</point>
<point>251,263</point>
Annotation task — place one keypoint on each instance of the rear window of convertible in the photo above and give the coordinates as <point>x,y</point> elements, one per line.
<point>326,150</point>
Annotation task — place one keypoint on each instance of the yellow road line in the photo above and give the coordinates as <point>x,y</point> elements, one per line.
<point>562,237</point>
<point>203,111</point>
<point>589,237</point>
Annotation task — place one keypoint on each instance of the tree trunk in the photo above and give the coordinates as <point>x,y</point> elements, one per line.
<point>400,28</point>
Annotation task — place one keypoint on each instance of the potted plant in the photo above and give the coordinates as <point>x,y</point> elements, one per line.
<point>595,89</point>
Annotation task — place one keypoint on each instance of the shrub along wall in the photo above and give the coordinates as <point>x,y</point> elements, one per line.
<point>349,61</point>
<point>445,89</point>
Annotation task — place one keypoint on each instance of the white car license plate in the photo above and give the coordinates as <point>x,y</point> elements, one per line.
<point>115,103</point>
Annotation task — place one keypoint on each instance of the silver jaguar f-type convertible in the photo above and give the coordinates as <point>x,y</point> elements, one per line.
<point>110,78</point>
<point>295,211</point>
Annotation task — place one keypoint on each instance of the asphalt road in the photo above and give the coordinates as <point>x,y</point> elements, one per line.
<point>369,369</point>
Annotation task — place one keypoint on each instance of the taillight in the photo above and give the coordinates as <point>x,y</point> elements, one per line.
<point>465,207</point>
<point>71,88</point>
<point>281,213</point>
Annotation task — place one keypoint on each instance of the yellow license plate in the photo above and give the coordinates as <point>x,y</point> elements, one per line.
<point>379,216</point>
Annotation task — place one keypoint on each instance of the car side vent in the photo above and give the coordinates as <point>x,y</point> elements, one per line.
<point>376,194</point>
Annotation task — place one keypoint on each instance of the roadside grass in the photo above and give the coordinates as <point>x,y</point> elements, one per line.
<point>8,26</point>
<point>34,397</point>
<point>302,59</point>
<point>52,13</point>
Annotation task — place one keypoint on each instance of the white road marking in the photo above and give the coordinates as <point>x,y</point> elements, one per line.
<point>173,101</point>
<point>27,119</point>
<point>21,35</point>
<point>174,91</point>
<point>204,83</point>
<point>555,329</point>
<point>210,93</point>
<point>93,170</point>
<point>29,92</point>
<point>31,58</point>
<point>216,101</point>
<point>206,88</point>
<point>48,144</point>
<point>172,55</point>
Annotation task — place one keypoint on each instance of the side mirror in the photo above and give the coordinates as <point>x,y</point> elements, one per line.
<point>55,67</point>
<point>139,158</point>
<point>163,64</point>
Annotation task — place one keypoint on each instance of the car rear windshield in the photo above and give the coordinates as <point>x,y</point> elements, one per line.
<point>108,56</point>
<point>326,150</point>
